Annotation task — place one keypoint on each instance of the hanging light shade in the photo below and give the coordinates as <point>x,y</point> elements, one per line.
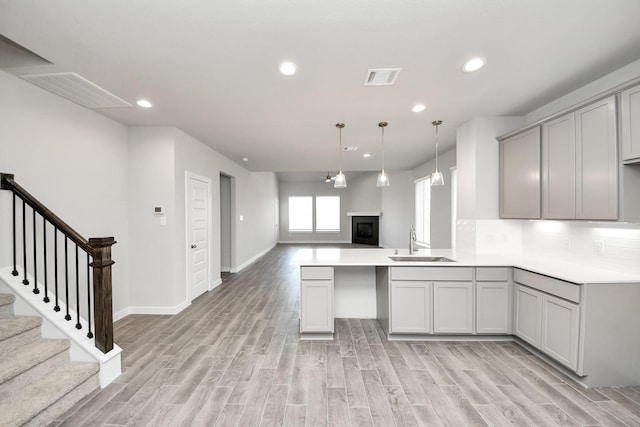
<point>437,179</point>
<point>341,180</point>
<point>383,178</point>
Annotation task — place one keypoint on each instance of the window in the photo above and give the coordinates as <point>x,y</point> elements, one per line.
<point>300,214</point>
<point>454,206</point>
<point>328,213</point>
<point>423,211</point>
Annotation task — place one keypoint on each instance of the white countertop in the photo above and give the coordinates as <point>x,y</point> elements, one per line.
<point>564,269</point>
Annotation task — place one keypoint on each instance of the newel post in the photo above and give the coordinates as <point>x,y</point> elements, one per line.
<point>102,294</point>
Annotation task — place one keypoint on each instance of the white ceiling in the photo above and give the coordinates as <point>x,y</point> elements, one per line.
<point>209,67</point>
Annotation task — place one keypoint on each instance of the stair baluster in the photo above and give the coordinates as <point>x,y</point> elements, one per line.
<point>99,316</point>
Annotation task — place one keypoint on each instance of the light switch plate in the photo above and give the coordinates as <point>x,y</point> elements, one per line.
<point>163,220</point>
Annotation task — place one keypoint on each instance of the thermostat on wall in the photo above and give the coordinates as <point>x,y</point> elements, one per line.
<point>157,210</point>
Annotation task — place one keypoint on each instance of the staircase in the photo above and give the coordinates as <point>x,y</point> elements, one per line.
<point>38,382</point>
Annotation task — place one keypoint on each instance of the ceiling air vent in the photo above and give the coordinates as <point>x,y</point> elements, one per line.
<point>77,89</point>
<point>381,76</point>
<point>350,148</point>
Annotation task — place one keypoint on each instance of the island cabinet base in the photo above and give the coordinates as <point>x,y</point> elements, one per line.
<point>588,331</point>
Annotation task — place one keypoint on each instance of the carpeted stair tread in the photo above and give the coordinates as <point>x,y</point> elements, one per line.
<point>13,326</point>
<point>6,299</point>
<point>37,396</point>
<point>28,356</point>
<point>6,305</point>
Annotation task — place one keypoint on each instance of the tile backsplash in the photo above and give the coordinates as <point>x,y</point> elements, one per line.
<point>608,244</point>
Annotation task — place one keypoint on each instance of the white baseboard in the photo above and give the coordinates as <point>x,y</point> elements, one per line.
<point>304,242</point>
<point>215,284</point>
<point>159,310</point>
<point>252,260</point>
<point>121,314</point>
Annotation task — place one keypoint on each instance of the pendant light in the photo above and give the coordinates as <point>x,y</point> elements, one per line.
<point>436,177</point>
<point>383,178</point>
<point>341,180</point>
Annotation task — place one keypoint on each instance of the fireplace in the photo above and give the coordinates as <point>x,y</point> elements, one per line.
<point>364,230</point>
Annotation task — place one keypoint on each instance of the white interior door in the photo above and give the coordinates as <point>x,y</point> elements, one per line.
<point>198,234</point>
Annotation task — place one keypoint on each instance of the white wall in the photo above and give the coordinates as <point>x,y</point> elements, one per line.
<point>440,198</point>
<point>159,160</point>
<point>397,210</point>
<point>74,161</point>
<point>104,179</point>
<point>151,183</point>
<point>314,188</point>
<point>364,196</point>
<point>478,166</point>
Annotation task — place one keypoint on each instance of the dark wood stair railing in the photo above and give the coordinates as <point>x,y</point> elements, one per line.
<point>99,249</point>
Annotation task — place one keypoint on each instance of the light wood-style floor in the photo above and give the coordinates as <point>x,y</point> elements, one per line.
<point>233,358</point>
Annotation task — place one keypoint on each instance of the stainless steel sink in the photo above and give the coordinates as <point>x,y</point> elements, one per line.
<point>410,258</point>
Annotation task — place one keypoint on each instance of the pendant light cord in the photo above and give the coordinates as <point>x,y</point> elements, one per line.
<point>436,123</point>
<point>383,149</point>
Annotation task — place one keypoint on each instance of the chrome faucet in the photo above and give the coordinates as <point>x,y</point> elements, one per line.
<point>412,239</point>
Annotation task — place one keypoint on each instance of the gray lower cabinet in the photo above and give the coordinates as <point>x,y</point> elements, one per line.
<point>316,300</point>
<point>560,321</point>
<point>493,307</point>
<point>528,315</point>
<point>425,300</point>
<point>410,307</point>
<point>494,296</point>
<point>547,315</point>
<point>453,307</point>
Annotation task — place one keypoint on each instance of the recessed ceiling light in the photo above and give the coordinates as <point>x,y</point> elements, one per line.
<point>474,64</point>
<point>367,155</point>
<point>144,103</point>
<point>287,68</point>
<point>418,108</point>
<point>245,159</point>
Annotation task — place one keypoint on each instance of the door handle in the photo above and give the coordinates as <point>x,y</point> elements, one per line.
<point>194,246</point>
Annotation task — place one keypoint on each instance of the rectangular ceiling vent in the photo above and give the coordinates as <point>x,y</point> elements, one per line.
<point>77,89</point>
<point>381,76</point>
<point>350,148</point>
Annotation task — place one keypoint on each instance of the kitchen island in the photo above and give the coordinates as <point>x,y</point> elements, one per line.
<point>583,318</point>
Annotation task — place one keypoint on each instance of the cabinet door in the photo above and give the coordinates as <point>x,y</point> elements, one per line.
<point>630,110</point>
<point>560,320</point>
<point>410,306</point>
<point>316,306</point>
<point>596,161</point>
<point>559,168</point>
<point>453,307</point>
<point>520,175</point>
<point>493,307</point>
<point>528,315</point>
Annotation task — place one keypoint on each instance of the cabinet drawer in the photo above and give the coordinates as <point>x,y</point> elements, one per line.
<point>560,288</point>
<point>431,273</point>
<point>492,274</point>
<point>316,273</point>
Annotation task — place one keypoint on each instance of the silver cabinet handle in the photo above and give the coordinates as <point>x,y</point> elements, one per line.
<point>194,246</point>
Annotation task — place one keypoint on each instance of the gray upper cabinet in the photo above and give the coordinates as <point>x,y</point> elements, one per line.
<point>597,161</point>
<point>559,168</point>
<point>630,112</point>
<point>520,175</point>
<point>579,164</point>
